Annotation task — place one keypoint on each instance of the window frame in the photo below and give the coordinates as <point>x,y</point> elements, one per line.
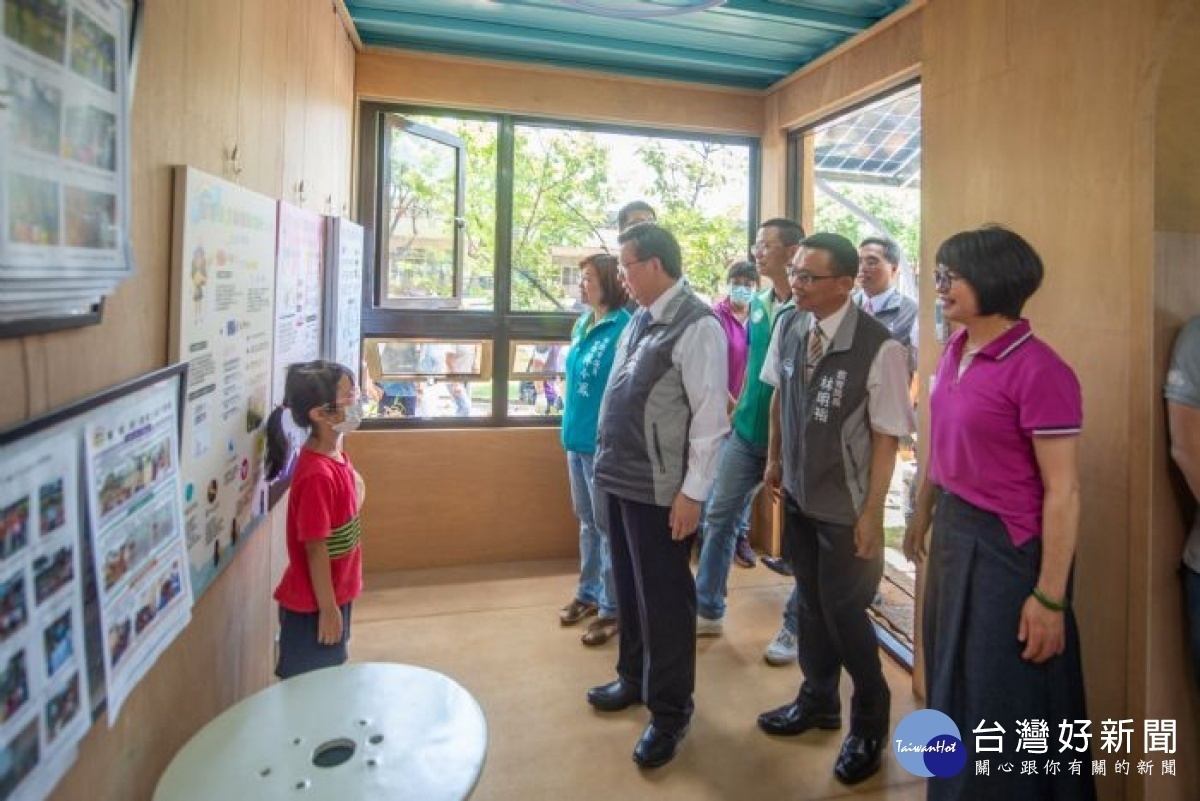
<point>405,125</point>
<point>500,324</point>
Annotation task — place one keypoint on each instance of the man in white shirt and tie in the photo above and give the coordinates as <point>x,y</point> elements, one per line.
<point>840,406</point>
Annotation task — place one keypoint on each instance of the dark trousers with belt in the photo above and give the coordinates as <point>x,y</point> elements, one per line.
<point>656,605</point>
<point>836,588</point>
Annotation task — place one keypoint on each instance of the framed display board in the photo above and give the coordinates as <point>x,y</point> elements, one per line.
<point>299,328</point>
<point>64,170</point>
<point>343,292</point>
<point>93,579</point>
<point>222,325</point>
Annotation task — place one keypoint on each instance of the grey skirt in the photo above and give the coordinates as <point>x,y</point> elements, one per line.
<point>977,582</point>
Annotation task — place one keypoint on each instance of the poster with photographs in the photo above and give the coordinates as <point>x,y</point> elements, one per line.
<point>299,284</point>
<point>344,289</point>
<point>136,519</point>
<point>222,325</point>
<point>43,662</point>
<point>64,208</point>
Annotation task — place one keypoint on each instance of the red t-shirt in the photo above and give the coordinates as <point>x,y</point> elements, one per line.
<point>323,505</point>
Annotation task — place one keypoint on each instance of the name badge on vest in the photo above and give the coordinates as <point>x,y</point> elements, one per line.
<point>788,367</point>
<point>756,316</point>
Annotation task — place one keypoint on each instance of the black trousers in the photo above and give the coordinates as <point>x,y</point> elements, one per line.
<point>835,589</point>
<point>656,606</point>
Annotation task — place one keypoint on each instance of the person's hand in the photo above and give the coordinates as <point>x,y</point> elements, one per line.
<point>773,479</point>
<point>1042,630</point>
<point>329,626</point>
<point>914,537</point>
<point>685,516</point>
<point>868,535</point>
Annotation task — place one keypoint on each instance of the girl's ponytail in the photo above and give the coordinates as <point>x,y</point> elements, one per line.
<point>278,444</point>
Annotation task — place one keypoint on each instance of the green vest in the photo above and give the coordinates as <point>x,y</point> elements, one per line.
<point>752,416</point>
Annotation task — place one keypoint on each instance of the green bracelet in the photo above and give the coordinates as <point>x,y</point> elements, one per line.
<point>1049,603</point>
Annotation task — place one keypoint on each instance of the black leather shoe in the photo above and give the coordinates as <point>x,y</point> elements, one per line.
<point>657,748</point>
<point>797,718</point>
<point>859,759</point>
<point>778,565</point>
<point>614,696</point>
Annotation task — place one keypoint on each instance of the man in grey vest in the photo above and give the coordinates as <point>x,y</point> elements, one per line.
<point>662,423</point>
<point>841,405</point>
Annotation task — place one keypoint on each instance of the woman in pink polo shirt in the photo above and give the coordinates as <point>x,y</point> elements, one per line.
<point>1002,490</point>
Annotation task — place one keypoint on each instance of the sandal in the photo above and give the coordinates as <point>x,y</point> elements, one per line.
<point>601,630</point>
<point>576,611</point>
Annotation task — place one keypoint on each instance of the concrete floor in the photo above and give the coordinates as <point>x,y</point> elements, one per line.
<point>495,630</point>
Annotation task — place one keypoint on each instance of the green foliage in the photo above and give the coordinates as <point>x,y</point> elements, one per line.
<point>560,193</point>
<point>684,176</point>
<point>565,186</point>
<point>899,210</point>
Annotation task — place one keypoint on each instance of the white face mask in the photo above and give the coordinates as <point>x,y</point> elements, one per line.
<point>353,417</point>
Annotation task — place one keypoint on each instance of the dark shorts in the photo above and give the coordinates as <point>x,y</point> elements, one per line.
<point>299,651</point>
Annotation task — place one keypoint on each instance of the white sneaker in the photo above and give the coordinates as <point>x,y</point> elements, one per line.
<point>709,628</point>
<point>782,650</point>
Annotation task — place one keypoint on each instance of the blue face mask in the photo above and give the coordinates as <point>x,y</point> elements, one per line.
<point>741,294</point>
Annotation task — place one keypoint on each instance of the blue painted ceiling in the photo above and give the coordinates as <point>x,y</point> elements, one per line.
<point>741,43</point>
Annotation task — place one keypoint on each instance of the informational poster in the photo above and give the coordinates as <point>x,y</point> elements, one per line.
<point>64,167</point>
<point>43,668</point>
<point>222,326</point>
<point>299,285</point>
<point>136,516</point>
<point>344,288</point>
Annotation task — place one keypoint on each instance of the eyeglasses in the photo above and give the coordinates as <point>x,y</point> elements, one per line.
<point>942,279</point>
<point>626,267</point>
<point>806,279</point>
<point>761,247</point>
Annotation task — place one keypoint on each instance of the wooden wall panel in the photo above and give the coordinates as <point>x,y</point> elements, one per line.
<point>494,86</point>
<point>437,498</point>
<point>878,59</point>
<point>210,74</point>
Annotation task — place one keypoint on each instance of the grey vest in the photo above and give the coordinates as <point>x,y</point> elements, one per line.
<point>642,445</point>
<point>825,425</point>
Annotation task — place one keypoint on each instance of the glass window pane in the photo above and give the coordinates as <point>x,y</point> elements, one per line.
<point>426,378</point>
<point>537,368</point>
<point>478,229</point>
<point>421,189</point>
<point>569,185</point>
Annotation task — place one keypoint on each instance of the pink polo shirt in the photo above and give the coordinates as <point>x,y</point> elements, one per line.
<point>983,424</point>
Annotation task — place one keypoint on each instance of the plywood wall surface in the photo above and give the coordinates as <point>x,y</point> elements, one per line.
<point>487,86</point>
<point>438,498</point>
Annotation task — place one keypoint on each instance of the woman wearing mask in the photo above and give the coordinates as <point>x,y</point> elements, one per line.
<point>593,345</point>
<point>741,282</point>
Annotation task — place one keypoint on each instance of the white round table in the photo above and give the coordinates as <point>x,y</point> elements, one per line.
<point>394,731</point>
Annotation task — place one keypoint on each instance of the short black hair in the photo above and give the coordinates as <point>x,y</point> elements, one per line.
<point>790,232</point>
<point>654,241</point>
<point>843,256</point>
<point>891,251</point>
<point>742,269</point>
<point>1002,268</point>
<point>630,208</point>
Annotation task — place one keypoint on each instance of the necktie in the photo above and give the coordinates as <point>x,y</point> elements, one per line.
<point>868,307</point>
<point>816,349</point>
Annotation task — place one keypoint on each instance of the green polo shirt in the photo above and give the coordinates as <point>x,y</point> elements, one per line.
<point>752,416</point>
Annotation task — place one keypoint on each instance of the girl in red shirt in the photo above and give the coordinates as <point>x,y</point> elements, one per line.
<point>324,571</point>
